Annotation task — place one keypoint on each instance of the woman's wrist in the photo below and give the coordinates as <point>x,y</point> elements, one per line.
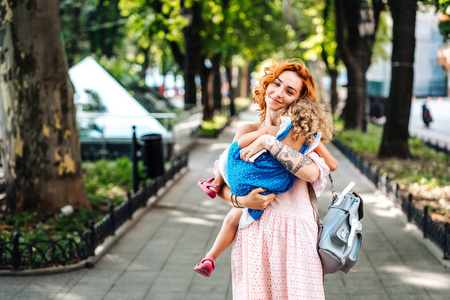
<point>235,201</point>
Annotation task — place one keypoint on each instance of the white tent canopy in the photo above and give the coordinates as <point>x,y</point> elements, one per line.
<point>122,111</point>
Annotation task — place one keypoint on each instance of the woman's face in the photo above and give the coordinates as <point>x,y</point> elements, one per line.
<point>283,91</point>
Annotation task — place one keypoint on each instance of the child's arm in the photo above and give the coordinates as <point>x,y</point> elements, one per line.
<point>326,155</point>
<point>247,138</point>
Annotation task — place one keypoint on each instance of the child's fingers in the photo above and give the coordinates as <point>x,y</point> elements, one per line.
<point>243,153</point>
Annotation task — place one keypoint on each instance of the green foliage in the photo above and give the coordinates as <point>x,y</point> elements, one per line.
<point>35,228</point>
<point>108,180</point>
<point>426,174</point>
<point>383,37</point>
<point>212,127</point>
<point>358,141</point>
<point>91,27</point>
<point>443,9</point>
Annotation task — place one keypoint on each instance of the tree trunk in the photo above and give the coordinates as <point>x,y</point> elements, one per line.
<point>352,51</point>
<point>41,149</point>
<point>192,44</point>
<point>208,106</point>
<point>395,134</point>
<point>243,81</point>
<point>217,84</point>
<point>231,91</point>
<point>334,96</point>
<point>353,110</point>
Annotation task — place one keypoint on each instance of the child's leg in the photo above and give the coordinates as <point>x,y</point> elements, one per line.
<point>218,180</point>
<point>223,240</point>
<point>226,234</point>
<point>212,186</point>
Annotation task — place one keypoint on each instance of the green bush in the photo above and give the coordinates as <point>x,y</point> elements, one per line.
<point>109,180</point>
<point>212,127</point>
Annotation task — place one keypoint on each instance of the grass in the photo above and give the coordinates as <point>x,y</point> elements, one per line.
<point>426,175</point>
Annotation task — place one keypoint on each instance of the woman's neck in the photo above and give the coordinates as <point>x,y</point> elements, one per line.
<point>271,118</point>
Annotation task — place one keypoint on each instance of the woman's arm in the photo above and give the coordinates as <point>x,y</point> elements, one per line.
<point>327,157</point>
<point>253,200</point>
<point>298,164</point>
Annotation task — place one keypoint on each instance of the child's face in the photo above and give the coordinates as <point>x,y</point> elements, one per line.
<point>283,91</point>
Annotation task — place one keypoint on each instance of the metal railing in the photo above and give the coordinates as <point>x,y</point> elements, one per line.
<point>182,127</point>
<point>16,254</point>
<point>434,144</point>
<point>440,235</point>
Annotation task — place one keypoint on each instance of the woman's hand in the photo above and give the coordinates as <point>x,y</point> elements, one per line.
<point>255,200</point>
<point>256,146</point>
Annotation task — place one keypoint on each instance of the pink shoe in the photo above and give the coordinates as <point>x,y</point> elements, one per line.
<point>204,268</point>
<point>205,186</point>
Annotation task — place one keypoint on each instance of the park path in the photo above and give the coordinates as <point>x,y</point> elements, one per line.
<point>154,260</point>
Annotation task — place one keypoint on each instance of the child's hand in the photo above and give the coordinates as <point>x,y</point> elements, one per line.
<point>326,155</point>
<point>256,146</point>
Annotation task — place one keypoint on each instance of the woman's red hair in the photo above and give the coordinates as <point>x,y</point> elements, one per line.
<point>272,72</point>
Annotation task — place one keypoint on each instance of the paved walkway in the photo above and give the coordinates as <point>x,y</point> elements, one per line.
<point>154,260</point>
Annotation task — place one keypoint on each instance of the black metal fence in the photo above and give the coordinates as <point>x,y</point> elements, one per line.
<point>18,255</point>
<point>440,235</point>
<point>436,145</point>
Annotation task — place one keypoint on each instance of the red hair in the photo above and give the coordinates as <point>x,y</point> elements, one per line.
<point>272,72</point>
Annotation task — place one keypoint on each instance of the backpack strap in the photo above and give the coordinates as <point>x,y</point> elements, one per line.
<point>313,198</point>
<point>315,206</point>
<point>333,190</point>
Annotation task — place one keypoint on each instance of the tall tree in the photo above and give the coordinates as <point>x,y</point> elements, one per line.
<point>314,24</point>
<point>352,51</point>
<point>395,134</point>
<point>40,149</point>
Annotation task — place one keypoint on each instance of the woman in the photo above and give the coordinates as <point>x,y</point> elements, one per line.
<point>276,256</point>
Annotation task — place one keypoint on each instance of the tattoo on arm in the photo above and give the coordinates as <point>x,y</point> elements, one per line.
<point>289,157</point>
<point>281,146</point>
<point>304,161</point>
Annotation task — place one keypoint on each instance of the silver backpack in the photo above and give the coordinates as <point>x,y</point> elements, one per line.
<point>340,235</point>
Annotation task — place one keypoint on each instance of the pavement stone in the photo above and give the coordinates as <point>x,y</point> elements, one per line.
<point>155,259</point>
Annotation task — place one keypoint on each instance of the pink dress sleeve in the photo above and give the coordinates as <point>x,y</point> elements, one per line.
<point>320,184</point>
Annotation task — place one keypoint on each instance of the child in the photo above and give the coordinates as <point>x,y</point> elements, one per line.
<point>300,125</point>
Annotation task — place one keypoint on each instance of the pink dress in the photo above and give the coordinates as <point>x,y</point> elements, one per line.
<point>276,256</point>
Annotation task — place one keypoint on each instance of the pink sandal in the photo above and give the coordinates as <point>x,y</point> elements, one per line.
<point>205,186</point>
<point>204,268</point>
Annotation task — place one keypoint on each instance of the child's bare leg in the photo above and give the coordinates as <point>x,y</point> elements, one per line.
<point>226,234</point>
<point>217,181</point>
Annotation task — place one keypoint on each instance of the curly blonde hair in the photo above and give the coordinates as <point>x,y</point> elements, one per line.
<point>273,71</point>
<point>309,117</point>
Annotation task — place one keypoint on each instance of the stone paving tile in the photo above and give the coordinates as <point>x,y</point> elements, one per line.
<point>174,283</point>
<point>165,296</point>
<point>128,292</point>
<point>88,290</point>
